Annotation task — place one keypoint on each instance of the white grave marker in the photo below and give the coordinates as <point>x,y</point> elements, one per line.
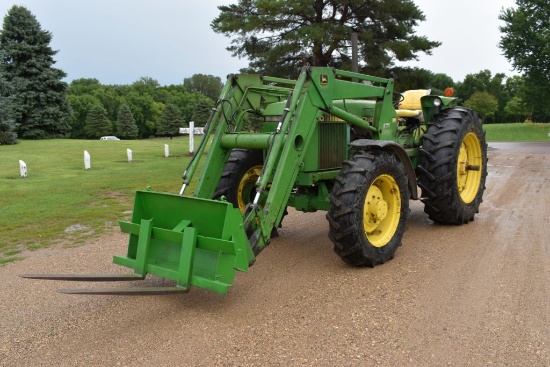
<point>129,154</point>
<point>191,137</point>
<point>166,150</point>
<point>87,160</point>
<point>23,168</point>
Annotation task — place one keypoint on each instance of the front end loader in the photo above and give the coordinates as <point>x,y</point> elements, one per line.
<point>331,140</point>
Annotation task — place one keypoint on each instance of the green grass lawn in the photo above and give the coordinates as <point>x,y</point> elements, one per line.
<point>60,201</point>
<point>59,193</point>
<point>517,132</point>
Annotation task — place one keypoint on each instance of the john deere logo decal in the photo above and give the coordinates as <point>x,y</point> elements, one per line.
<point>324,79</point>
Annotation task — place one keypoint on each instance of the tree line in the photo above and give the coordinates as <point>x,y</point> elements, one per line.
<point>277,37</point>
<point>161,110</point>
<point>141,109</point>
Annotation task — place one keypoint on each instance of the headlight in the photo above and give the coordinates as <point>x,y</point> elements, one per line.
<point>437,102</point>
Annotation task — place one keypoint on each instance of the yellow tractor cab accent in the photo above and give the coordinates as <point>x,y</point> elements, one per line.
<point>410,105</point>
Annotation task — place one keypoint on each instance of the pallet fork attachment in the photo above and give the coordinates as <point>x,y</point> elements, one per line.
<point>204,250</point>
<point>142,291</point>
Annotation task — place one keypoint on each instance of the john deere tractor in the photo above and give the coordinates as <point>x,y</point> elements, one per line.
<point>332,140</point>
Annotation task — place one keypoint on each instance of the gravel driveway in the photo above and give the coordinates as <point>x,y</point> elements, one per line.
<point>471,295</point>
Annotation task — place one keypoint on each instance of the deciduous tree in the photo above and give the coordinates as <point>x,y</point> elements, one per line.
<point>483,103</point>
<point>145,110</point>
<point>439,82</point>
<point>525,37</point>
<point>517,109</point>
<point>208,85</point>
<point>485,81</point>
<point>524,42</point>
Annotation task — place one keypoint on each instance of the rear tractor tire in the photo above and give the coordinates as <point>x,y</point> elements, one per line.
<point>453,166</point>
<point>238,181</point>
<point>369,208</point>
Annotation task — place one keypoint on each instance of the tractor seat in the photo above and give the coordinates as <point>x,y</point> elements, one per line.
<point>410,105</point>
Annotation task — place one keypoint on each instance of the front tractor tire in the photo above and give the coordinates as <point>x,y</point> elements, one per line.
<point>453,166</point>
<point>369,208</point>
<point>238,181</point>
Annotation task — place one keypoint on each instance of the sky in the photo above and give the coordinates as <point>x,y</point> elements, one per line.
<point>120,41</point>
<point>469,32</point>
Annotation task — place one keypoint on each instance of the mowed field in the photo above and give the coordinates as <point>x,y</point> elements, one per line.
<point>61,202</point>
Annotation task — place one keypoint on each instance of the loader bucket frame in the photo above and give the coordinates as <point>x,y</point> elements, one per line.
<point>205,249</point>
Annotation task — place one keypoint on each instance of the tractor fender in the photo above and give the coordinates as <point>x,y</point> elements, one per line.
<point>398,151</point>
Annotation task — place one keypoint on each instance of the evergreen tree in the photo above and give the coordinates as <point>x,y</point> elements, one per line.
<point>80,106</point>
<point>7,124</point>
<point>126,125</point>
<point>170,122</point>
<point>97,123</point>
<point>202,111</point>
<point>40,106</point>
<point>278,35</point>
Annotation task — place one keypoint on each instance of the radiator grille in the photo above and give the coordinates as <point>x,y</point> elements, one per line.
<point>332,144</point>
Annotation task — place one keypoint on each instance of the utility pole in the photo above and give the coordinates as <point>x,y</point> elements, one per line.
<point>354,53</point>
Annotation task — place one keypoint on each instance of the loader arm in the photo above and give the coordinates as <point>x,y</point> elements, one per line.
<point>313,95</point>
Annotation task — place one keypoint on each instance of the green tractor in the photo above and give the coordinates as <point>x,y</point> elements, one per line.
<point>331,140</point>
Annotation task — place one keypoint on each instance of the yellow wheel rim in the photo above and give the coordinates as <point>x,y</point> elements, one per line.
<point>247,187</point>
<point>381,210</point>
<point>469,168</point>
